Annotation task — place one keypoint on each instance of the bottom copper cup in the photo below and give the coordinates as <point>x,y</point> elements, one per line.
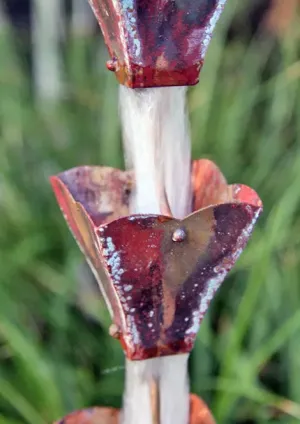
<point>199,414</point>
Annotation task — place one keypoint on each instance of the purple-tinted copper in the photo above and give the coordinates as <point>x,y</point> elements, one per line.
<point>157,274</point>
<point>157,42</point>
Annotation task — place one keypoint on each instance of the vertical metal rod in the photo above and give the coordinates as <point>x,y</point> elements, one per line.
<point>155,401</point>
<point>140,403</point>
<point>157,148</point>
<point>156,391</point>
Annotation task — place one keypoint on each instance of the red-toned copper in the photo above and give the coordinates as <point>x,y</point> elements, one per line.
<point>92,416</point>
<point>89,197</point>
<point>157,42</point>
<point>199,411</point>
<point>112,65</point>
<point>199,414</point>
<point>157,274</point>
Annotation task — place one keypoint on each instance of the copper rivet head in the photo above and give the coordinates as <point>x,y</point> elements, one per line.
<point>114,331</point>
<point>179,235</point>
<point>112,64</point>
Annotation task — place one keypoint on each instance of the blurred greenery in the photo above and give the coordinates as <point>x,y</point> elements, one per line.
<point>56,356</point>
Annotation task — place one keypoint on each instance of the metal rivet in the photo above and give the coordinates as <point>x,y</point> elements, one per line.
<point>179,235</point>
<point>114,331</point>
<point>112,64</point>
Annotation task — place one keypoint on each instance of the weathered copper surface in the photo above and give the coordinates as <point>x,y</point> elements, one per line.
<point>104,192</point>
<point>92,416</point>
<point>199,414</point>
<point>199,411</point>
<point>89,197</point>
<point>210,187</point>
<point>156,42</point>
<point>157,274</point>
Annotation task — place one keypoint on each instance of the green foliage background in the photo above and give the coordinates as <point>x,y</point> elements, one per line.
<point>55,356</point>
